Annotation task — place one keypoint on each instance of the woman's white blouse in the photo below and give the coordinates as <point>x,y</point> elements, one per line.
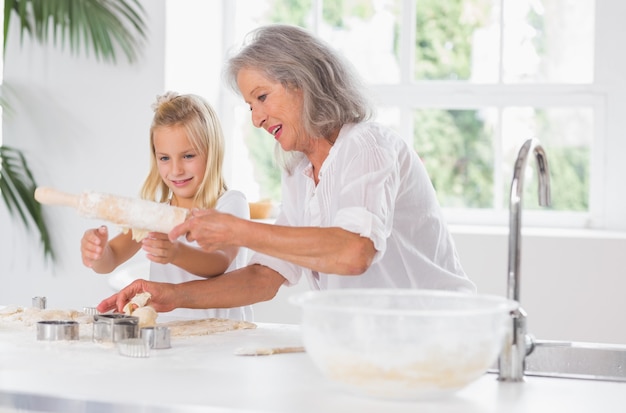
<point>373,184</point>
<point>231,202</point>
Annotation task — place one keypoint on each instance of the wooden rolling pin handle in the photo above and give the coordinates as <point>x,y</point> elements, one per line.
<point>49,196</point>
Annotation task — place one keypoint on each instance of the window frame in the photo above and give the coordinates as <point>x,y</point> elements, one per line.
<point>606,95</point>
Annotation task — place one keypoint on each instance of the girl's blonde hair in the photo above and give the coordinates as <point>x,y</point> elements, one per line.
<point>204,132</point>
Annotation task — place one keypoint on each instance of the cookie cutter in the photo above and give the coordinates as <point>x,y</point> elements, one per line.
<point>55,330</point>
<point>90,310</point>
<point>157,337</point>
<point>133,347</point>
<point>39,302</point>
<point>113,327</point>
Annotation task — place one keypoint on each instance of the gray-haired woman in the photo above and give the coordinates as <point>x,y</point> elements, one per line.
<point>358,207</point>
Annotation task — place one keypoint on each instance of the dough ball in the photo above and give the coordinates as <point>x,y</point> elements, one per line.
<point>138,300</point>
<point>147,316</point>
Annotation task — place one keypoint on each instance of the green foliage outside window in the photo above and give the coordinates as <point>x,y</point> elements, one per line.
<point>443,37</point>
<point>458,155</point>
<point>457,146</point>
<point>268,175</point>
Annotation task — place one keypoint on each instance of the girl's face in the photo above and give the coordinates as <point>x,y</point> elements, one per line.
<point>181,167</point>
<point>274,108</point>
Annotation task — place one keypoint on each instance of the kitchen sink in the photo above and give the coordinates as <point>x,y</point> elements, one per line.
<point>575,360</point>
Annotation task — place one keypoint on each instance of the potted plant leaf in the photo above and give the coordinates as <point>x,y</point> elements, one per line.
<point>102,27</point>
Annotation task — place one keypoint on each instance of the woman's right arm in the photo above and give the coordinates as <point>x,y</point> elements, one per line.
<point>330,250</point>
<point>245,286</point>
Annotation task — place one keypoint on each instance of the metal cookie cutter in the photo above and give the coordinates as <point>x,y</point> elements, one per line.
<point>133,347</point>
<point>39,302</point>
<point>113,327</point>
<point>157,337</point>
<point>90,310</point>
<point>54,330</point>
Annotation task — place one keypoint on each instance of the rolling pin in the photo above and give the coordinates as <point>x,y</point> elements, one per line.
<point>137,214</point>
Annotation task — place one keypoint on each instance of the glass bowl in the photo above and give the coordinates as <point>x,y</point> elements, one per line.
<point>402,343</point>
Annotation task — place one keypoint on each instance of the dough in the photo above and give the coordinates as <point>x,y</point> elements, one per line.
<point>138,235</point>
<point>20,317</point>
<point>26,317</point>
<point>147,316</point>
<point>138,307</point>
<point>139,300</point>
<point>30,315</point>
<point>186,328</point>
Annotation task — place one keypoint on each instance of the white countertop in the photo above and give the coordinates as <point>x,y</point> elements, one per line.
<point>202,374</point>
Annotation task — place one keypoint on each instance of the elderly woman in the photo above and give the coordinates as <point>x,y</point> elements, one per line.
<point>358,207</point>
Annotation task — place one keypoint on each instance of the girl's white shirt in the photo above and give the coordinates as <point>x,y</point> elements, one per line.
<point>372,183</point>
<point>231,202</point>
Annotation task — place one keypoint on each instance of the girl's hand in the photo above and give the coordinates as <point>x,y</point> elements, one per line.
<point>159,248</point>
<point>92,245</point>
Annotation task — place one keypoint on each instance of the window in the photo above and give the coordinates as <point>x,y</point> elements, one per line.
<point>465,82</point>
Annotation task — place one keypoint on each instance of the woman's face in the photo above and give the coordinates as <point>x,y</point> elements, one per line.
<point>274,108</point>
<point>181,167</point>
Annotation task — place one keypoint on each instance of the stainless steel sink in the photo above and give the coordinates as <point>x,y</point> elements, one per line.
<point>522,355</point>
<point>577,360</point>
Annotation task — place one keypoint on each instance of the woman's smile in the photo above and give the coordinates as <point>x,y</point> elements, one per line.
<point>276,131</point>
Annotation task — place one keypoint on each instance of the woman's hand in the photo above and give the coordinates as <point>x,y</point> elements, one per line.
<point>212,230</point>
<point>93,244</point>
<point>159,248</point>
<point>331,250</point>
<point>162,296</point>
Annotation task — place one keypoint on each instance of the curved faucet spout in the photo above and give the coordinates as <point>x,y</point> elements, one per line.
<point>515,207</point>
<point>512,359</point>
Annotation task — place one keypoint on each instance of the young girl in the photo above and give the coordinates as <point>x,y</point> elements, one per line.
<point>185,171</point>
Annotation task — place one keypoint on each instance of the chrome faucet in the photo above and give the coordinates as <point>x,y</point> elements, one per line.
<point>520,344</point>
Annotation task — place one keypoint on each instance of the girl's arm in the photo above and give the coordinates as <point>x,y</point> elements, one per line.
<point>205,264</point>
<point>104,256</point>
<point>191,259</point>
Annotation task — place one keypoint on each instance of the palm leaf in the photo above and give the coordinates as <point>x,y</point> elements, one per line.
<point>17,187</point>
<point>100,26</point>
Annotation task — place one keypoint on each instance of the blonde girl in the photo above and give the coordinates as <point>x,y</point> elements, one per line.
<point>187,152</point>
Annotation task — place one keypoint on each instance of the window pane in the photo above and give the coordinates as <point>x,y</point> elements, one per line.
<point>390,117</point>
<point>566,136</point>
<point>456,148</point>
<point>256,173</point>
<point>366,33</point>
<point>457,40</point>
<point>254,13</point>
<point>469,152</point>
<point>459,151</point>
<point>297,12</point>
<point>542,43</point>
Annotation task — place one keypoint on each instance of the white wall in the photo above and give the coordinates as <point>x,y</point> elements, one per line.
<point>84,126</point>
<point>572,282</point>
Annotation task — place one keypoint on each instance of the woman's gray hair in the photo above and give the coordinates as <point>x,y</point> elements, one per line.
<point>332,92</point>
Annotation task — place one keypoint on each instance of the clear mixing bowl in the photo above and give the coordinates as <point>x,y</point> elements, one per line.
<point>403,344</point>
